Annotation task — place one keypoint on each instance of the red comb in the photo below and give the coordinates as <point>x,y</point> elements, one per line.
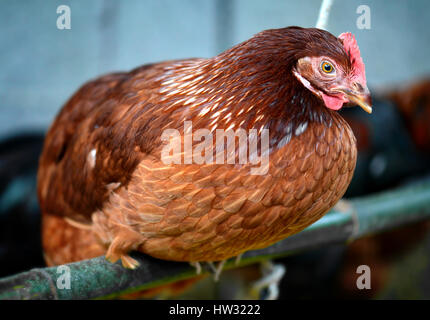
<point>351,47</point>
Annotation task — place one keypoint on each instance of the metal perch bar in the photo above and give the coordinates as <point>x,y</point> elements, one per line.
<point>324,14</point>
<point>97,278</point>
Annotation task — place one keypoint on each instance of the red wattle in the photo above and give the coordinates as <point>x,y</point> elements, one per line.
<point>333,102</point>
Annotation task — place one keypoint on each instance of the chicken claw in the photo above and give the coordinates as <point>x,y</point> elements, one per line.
<point>197,266</point>
<point>217,269</point>
<point>272,275</point>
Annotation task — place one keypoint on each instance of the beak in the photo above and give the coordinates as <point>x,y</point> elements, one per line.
<point>361,98</point>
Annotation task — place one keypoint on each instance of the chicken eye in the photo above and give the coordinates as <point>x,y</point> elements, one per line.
<point>327,67</point>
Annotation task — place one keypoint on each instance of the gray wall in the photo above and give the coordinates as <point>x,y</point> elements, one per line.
<point>41,66</point>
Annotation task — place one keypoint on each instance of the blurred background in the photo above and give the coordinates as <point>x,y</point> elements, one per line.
<point>41,66</point>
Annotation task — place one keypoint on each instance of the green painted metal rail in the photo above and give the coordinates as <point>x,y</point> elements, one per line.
<point>97,278</point>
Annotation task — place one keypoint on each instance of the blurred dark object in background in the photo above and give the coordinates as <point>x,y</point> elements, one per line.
<point>20,247</point>
<point>394,147</point>
<point>394,142</point>
<point>398,260</point>
<point>405,249</point>
<point>414,104</point>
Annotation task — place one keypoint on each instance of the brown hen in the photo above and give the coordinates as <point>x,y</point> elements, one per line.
<point>105,188</point>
